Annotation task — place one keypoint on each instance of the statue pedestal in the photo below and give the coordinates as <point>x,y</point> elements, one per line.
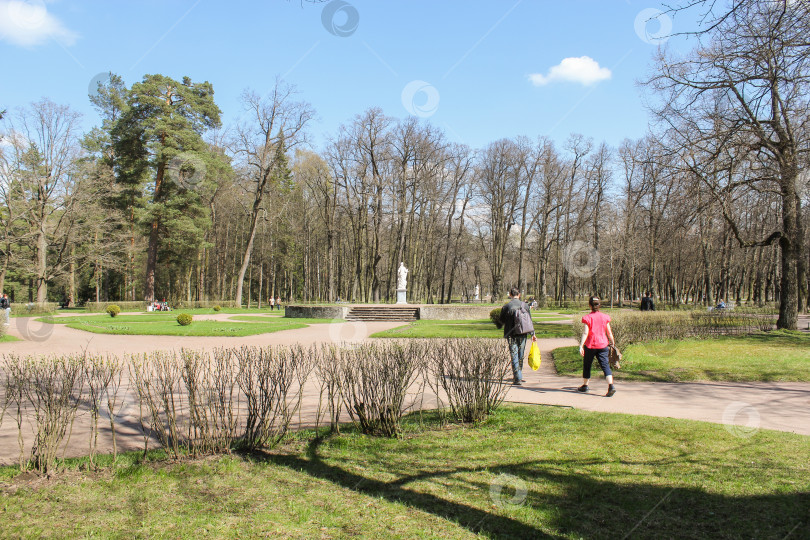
<point>401,296</point>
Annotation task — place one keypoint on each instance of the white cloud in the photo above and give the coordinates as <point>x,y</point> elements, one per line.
<point>27,23</point>
<point>584,70</point>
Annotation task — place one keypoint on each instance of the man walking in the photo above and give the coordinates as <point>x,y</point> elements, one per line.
<point>517,325</point>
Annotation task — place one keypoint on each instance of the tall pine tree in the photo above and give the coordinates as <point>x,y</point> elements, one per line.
<point>157,139</point>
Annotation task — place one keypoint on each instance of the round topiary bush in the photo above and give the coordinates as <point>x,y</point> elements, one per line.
<point>217,308</point>
<point>113,310</point>
<point>184,319</point>
<point>495,317</point>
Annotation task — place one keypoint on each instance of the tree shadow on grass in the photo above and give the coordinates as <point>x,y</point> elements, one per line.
<point>570,503</point>
<point>474,519</point>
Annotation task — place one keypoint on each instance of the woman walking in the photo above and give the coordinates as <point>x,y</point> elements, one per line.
<point>595,339</point>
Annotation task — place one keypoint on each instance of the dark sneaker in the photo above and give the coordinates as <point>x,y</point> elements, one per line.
<point>516,383</point>
<point>610,392</point>
<point>522,380</point>
<point>583,388</point>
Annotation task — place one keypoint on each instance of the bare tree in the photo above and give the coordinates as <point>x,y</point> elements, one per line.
<point>276,125</point>
<point>44,150</point>
<point>737,107</point>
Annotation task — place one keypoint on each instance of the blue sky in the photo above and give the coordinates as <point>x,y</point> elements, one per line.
<point>481,70</point>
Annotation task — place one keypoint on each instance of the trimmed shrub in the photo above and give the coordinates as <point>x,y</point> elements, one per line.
<point>374,379</point>
<point>217,308</point>
<point>101,307</point>
<point>635,326</point>
<point>184,319</point>
<point>470,373</point>
<point>113,310</point>
<point>495,317</point>
<point>201,304</point>
<point>31,309</point>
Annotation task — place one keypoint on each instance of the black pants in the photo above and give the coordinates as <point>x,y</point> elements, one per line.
<point>601,355</point>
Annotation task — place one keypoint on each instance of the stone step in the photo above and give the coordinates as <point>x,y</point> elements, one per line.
<point>383,313</point>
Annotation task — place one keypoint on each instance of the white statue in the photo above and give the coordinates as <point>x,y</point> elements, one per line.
<point>402,276</point>
<point>477,292</point>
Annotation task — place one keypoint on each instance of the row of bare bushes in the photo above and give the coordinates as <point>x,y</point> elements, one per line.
<point>635,326</point>
<point>192,403</point>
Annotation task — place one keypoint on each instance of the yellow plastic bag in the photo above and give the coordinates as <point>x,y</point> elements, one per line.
<point>534,356</point>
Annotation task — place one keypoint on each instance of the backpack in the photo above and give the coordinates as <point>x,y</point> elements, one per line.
<point>522,323</point>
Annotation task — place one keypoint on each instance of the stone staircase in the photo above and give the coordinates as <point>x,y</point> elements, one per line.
<point>383,313</point>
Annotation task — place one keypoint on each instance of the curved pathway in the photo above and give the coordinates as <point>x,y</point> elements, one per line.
<point>741,408</point>
<point>748,406</point>
<point>45,338</point>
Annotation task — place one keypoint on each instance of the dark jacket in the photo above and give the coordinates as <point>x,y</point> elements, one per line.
<point>4,303</point>
<point>508,315</point>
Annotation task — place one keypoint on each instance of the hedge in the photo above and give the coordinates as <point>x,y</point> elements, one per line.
<point>101,307</point>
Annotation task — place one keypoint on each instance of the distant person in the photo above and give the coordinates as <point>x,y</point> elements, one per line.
<point>721,305</point>
<point>647,303</point>
<point>517,325</point>
<point>5,305</point>
<point>272,303</point>
<point>278,303</point>
<point>595,339</point>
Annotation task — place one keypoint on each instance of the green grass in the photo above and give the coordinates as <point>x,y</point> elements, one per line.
<point>529,472</point>
<point>773,356</point>
<point>467,329</point>
<point>6,338</point>
<point>165,324</point>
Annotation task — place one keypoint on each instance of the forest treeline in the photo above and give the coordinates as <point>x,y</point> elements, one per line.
<point>160,201</point>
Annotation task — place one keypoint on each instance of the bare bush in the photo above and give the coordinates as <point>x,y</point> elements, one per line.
<point>54,391</point>
<point>327,368</point>
<point>17,379</point>
<point>471,373</point>
<point>103,376</point>
<point>272,381</point>
<point>375,379</point>
<point>157,377</point>
<point>211,386</point>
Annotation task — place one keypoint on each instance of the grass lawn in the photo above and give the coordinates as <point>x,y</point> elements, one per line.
<point>467,329</point>
<point>165,324</point>
<point>773,356</point>
<point>529,472</point>
<point>6,338</point>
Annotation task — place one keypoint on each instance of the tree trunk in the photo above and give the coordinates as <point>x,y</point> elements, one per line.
<point>248,252</point>
<point>151,252</point>
<point>42,253</point>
